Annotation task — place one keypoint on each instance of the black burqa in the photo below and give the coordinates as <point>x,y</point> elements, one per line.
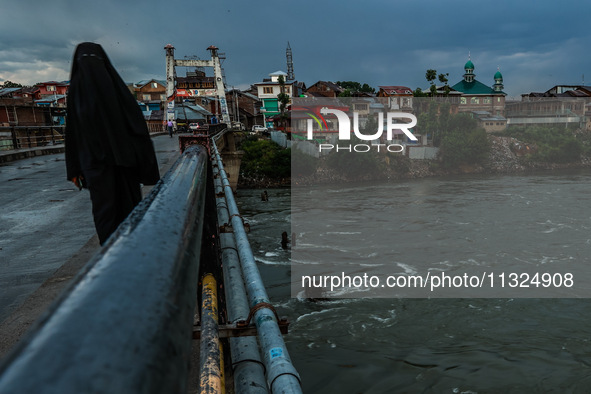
<point>107,140</point>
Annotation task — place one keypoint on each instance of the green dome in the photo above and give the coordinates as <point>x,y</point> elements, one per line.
<point>498,75</point>
<point>469,65</point>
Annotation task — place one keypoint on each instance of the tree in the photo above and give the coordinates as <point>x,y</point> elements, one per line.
<point>463,142</point>
<point>355,87</point>
<point>418,92</point>
<point>430,76</point>
<point>444,80</point>
<point>10,84</point>
<point>264,158</point>
<point>283,99</point>
<point>345,93</point>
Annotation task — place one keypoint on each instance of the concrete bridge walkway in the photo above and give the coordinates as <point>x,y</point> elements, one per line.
<point>46,233</point>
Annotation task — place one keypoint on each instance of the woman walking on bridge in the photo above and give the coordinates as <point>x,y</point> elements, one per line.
<point>108,146</point>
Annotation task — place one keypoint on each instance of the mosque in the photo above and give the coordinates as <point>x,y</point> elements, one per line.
<point>484,102</point>
<point>476,96</point>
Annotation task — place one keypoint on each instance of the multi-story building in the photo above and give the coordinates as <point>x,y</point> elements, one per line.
<point>561,104</point>
<point>52,88</point>
<point>244,107</point>
<point>269,89</point>
<point>152,93</point>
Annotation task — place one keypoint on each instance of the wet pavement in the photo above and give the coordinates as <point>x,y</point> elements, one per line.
<point>45,221</point>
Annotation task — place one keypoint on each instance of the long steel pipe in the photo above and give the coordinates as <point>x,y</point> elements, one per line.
<point>249,372</point>
<point>125,324</point>
<point>282,376</point>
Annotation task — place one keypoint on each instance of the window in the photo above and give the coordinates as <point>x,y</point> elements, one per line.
<point>268,90</point>
<point>146,97</point>
<point>154,85</point>
<point>287,89</point>
<point>474,100</point>
<point>51,88</point>
<point>486,100</point>
<point>463,100</point>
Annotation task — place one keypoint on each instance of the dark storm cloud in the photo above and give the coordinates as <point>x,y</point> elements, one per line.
<point>536,45</point>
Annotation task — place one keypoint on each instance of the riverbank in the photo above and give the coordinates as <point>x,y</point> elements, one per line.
<point>507,156</point>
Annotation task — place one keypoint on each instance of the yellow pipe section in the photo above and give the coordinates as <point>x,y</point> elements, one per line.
<point>211,377</point>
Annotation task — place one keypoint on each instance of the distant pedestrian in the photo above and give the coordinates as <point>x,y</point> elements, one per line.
<point>108,146</point>
<point>284,240</point>
<point>170,125</point>
<point>264,196</point>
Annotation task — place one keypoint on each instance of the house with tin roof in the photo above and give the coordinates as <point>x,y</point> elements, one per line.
<point>399,97</point>
<point>324,89</point>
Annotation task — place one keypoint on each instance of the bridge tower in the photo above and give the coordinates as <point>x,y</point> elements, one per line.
<point>220,91</point>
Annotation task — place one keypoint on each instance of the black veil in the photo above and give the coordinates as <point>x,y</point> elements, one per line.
<point>105,125</point>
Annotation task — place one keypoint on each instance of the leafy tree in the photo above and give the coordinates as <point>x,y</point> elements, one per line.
<point>427,121</point>
<point>355,87</point>
<point>463,142</point>
<point>444,80</point>
<point>430,76</point>
<point>264,158</point>
<point>10,84</point>
<point>418,92</point>
<point>346,93</point>
<point>555,144</point>
<point>367,89</point>
<point>283,99</point>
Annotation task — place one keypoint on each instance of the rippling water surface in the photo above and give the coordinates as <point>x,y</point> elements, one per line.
<point>453,345</point>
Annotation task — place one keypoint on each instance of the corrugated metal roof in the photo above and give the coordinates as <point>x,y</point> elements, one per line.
<point>190,112</point>
<point>6,91</point>
<point>396,89</point>
<point>147,81</point>
<point>51,99</point>
<point>200,109</point>
<point>250,96</point>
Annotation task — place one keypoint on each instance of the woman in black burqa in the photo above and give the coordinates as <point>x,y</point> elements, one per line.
<point>108,146</point>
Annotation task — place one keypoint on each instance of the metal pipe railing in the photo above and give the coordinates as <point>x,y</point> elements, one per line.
<point>125,324</point>
<point>210,351</point>
<point>248,369</point>
<point>281,374</point>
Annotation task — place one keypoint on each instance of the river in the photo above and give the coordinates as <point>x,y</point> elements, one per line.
<point>509,342</point>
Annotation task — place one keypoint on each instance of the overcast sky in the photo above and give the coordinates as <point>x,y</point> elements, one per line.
<point>536,44</point>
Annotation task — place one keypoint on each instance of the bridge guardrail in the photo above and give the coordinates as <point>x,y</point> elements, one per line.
<point>17,137</point>
<point>125,323</point>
